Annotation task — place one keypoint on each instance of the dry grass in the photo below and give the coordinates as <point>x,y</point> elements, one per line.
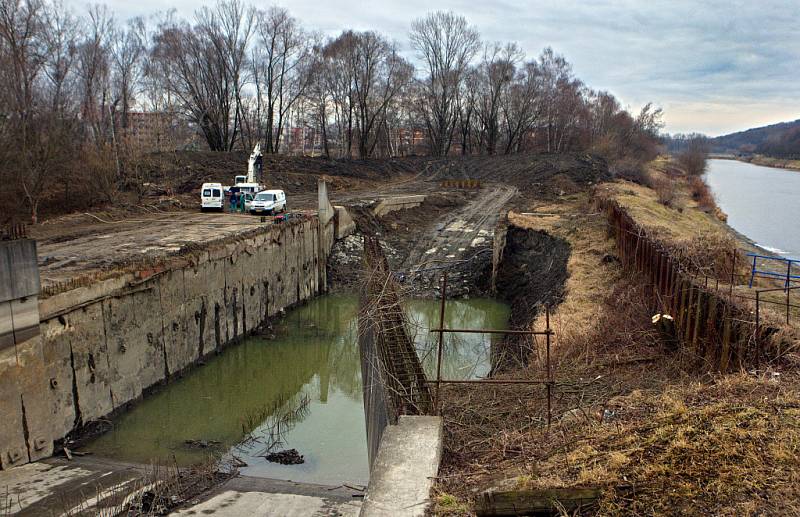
<point>666,192</point>
<point>592,265</point>
<point>628,410</point>
<point>677,225</point>
<point>728,447</point>
<point>702,240</point>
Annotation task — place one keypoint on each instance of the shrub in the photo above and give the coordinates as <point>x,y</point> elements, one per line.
<point>702,194</point>
<point>667,191</point>
<point>632,170</point>
<point>693,158</point>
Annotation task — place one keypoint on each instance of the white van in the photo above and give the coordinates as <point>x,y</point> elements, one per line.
<point>268,202</point>
<point>212,197</point>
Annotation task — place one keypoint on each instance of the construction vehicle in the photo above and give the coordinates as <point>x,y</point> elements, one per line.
<point>249,183</point>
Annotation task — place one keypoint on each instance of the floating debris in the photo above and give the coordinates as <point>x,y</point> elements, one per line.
<point>287,457</point>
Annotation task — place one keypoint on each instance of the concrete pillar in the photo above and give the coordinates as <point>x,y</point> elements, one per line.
<point>19,291</point>
<point>325,209</point>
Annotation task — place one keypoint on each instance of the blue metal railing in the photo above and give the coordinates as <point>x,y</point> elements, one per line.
<point>790,269</point>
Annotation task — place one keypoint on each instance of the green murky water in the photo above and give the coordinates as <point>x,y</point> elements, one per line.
<point>300,390</point>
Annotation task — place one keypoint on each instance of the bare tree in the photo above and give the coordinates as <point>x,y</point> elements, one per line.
<point>203,67</point>
<point>495,74</point>
<point>466,104</point>
<point>446,43</point>
<point>94,73</point>
<point>23,55</point>
<point>61,39</point>
<point>379,74</point>
<point>522,105</point>
<point>127,52</point>
<point>563,100</point>
<point>281,71</point>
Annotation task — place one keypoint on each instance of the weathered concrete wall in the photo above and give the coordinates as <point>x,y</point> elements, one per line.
<point>344,224</point>
<point>104,345</point>
<point>392,204</point>
<point>19,290</point>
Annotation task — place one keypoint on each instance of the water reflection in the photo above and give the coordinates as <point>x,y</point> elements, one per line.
<point>301,389</point>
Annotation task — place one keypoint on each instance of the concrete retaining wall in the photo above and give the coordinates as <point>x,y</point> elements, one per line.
<point>104,345</point>
<point>392,204</point>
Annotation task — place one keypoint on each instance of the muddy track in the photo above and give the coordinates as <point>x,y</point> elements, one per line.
<point>460,236</point>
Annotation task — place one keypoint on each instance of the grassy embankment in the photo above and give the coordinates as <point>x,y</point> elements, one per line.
<point>629,412</point>
<point>768,161</point>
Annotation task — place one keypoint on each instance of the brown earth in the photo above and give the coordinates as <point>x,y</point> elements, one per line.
<point>167,219</point>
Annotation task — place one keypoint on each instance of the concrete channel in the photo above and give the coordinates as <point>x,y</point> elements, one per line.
<point>99,347</point>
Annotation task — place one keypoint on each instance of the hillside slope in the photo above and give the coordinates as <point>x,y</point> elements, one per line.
<point>753,140</point>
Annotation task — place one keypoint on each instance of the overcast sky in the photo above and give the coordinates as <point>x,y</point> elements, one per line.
<point>713,66</point>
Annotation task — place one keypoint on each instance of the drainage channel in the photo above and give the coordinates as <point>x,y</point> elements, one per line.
<point>297,389</point>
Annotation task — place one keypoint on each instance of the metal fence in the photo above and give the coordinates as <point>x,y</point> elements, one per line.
<point>774,268</point>
<point>724,332</point>
<point>394,382</point>
<point>13,232</point>
<point>548,382</point>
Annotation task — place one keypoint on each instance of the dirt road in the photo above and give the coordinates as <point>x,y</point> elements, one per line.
<point>460,236</point>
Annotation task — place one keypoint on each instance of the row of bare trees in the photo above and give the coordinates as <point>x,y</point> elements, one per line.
<point>236,75</point>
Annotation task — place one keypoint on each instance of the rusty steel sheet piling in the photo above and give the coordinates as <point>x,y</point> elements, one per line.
<point>719,328</point>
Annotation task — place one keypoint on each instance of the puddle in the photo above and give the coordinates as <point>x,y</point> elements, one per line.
<point>301,390</point>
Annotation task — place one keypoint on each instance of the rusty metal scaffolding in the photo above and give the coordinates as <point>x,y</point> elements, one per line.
<point>548,382</point>
<point>724,333</point>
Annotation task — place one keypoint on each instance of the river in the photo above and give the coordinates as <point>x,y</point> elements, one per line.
<point>301,389</point>
<point>762,203</point>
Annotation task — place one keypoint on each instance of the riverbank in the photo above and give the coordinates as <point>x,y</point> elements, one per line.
<point>638,426</point>
<point>764,161</point>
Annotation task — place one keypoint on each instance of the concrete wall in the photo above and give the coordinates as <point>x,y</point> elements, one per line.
<point>104,345</point>
<point>392,204</point>
<point>19,290</point>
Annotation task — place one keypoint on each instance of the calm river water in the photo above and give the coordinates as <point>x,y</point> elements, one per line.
<point>303,388</point>
<point>763,203</point>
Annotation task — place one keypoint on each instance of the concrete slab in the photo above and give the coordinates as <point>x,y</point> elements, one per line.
<point>95,486</point>
<point>56,486</point>
<point>233,503</point>
<point>344,223</point>
<point>403,473</point>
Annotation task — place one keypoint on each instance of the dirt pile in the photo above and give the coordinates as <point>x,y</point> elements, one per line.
<point>185,171</point>
<point>540,174</point>
<point>398,232</point>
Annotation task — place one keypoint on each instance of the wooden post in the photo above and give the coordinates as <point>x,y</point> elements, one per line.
<point>549,370</point>
<point>726,341</point>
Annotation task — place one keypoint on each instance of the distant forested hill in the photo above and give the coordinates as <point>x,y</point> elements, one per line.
<point>778,140</point>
